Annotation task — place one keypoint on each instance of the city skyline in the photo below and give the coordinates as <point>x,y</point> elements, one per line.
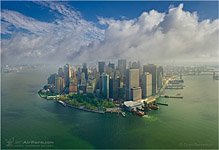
<point>109,74</point>
<point>70,32</point>
<point>109,81</point>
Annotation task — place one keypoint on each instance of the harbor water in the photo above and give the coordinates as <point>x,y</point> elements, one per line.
<point>29,121</point>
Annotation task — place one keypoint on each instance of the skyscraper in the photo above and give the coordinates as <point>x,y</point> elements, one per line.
<point>111,65</point>
<point>110,87</point>
<point>132,81</point>
<point>67,74</point>
<point>122,68</point>
<point>105,85</point>
<point>61,72</point>
<point>159,77</point>
<point>59,84</point>
<point>114,86</point>
<point>84,69</point>
<point>152,69</point>
<point>83,79</point>
<point>52,78</point>
<point>136,93</point>
<point>73,85</point>
<point>101,66</point>
<point>135,65</point>
<point>101,69</point>
<point>91,85</point>
<point>146,85</point>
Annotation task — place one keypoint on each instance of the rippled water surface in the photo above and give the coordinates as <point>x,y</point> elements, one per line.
<point>190,122</point>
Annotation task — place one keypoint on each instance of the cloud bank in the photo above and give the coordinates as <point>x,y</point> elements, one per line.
<point>177,35</point>
<point>31,40</point>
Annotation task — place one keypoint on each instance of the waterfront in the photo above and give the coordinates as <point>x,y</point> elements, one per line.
<point>190,122</point>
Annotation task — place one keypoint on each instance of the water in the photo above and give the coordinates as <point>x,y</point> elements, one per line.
<point>191,122</point>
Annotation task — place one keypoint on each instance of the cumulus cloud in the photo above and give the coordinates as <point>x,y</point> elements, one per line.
<point>158,37</point>
<point>152,37</point>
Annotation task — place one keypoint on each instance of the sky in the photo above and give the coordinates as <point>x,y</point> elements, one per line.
<point>76,32</point>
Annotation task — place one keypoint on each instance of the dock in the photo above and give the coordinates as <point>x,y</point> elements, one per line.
<point>174,87</point>
<point>166,96</point>
<point>165,104</point>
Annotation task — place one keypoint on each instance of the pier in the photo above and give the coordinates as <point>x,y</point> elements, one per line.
<point>175,88</point>
<point>165,104</point>
<point>167,96</point>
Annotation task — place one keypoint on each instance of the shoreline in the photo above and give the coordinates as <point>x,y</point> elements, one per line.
<point>84,109</point>
<point>72,106</point>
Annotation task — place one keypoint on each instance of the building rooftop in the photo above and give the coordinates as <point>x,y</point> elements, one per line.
<point>132,103</point>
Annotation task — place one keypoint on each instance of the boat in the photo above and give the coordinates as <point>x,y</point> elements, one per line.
<point>63,103</point>
<point>123,114</point>
<point>140,113</point>
<point>154,107</point>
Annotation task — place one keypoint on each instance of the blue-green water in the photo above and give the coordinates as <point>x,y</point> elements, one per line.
<point>191,122</point>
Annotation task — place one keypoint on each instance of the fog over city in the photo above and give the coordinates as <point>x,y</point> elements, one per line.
<point>176,35</point>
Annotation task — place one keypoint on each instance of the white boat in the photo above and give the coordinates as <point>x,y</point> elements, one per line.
<point>123,114</point>
<point>61,102</point>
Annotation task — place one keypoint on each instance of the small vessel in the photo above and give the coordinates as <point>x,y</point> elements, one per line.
<point>61,102</point>
<point>123,114</point>
<point>154,107</point>
<point>140,113</point>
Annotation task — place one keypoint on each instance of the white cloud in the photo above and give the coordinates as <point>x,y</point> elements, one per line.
<point>33,40</point>
<point>20,21</point>
<point>152,37</point>
<point>157,37</point>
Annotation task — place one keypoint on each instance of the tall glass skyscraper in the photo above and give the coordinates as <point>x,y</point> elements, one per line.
<point>152,69</point>
<point>105,85</point>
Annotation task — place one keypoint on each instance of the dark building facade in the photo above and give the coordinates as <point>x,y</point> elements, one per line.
<point>152,69</point>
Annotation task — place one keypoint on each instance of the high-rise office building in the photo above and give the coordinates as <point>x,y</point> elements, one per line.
<point>111,65</point>
<point>67,74</point>
<point>136,93</point>
<point>59,84</point>
<point>83,84</point>
<point>85,70</point>
<point>146,85</point>
<point>152,69</point>
<point>73,85</point>
<point>52,78</point>
<point>132,81</point>
<point>110,87</point>
<point>122,68</point>
<point>101,67</point>
<point>91,85</point>
<point>61,72</point>
<point>135,65</point>
<point>105,85</point>
<point>114,86</point>
<point>159,77</point>
<point>83,79</point>
<point>78,74</point>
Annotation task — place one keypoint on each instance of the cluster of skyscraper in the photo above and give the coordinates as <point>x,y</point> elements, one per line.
<point>109,81</point>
